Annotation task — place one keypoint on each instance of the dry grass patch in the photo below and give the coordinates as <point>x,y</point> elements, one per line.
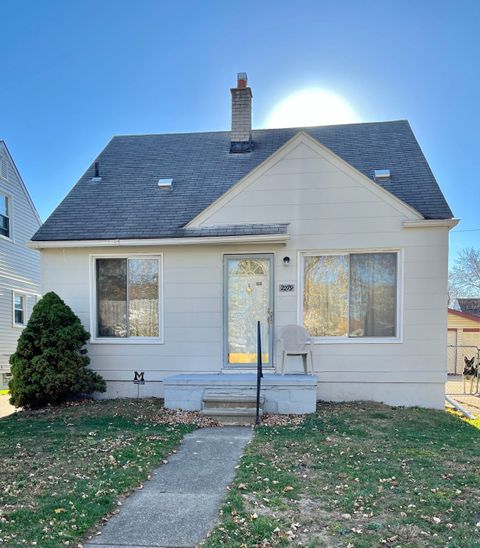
<point>64,468</point>
<point>357,475</point>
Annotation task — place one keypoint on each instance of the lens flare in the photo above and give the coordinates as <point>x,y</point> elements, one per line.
<point>311,107</point>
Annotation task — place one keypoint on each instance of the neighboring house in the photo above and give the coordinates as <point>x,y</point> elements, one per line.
<point>469,306</point>
<point>171,247</point>
<point>463,334</point>
<point>19,265</point>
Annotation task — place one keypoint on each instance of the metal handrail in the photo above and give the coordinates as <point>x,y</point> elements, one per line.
<point>259,372</point>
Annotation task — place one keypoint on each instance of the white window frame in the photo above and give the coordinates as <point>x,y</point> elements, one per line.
<point>399,296</point>
<point>9,197</point>
<point>24,300</point>
<point>93,301</point>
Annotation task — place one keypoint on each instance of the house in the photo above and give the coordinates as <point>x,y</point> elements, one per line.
<point>468,306</point>
<point>171,247</point>
<point>19,265</point>
<point>463,334</point>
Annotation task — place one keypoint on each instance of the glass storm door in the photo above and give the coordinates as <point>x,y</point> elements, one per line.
<point>248,299</point>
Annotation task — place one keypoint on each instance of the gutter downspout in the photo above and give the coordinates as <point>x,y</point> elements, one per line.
<point>459,408</point>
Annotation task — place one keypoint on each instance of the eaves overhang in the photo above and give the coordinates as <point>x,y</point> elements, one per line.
<point>160,242</point>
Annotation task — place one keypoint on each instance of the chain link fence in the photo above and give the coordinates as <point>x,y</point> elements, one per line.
<point>456,355</point>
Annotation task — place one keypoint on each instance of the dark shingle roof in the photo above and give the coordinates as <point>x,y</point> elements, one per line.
<point>128,204</point>
<point>469,306</point>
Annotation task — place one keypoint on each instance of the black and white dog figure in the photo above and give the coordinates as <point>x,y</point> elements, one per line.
<point>470,373</point>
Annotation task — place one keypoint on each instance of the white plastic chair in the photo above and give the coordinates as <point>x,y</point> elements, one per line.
<point>297,342</point>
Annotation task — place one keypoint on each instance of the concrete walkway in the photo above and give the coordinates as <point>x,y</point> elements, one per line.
<point>5,407</point>
<point>180,504</point>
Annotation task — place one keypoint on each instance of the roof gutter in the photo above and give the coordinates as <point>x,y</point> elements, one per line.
<point>205,240</point>
<point>431,223</point>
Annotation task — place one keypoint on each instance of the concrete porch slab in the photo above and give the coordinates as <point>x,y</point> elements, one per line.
<point>284,394</point>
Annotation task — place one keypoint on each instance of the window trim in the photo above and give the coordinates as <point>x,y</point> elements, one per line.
<point>94,339</point>
<point>24,309</point>
<point>9,197</point>
<point>399,296</point>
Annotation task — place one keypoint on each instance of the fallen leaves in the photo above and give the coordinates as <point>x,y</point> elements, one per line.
<point>88,451</point>
<point>177,416</point>
<point>357,481</point>
<point>282,420</point>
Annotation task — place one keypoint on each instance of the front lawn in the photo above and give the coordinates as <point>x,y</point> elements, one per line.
<point>62,470</point>
<point>358,475</point>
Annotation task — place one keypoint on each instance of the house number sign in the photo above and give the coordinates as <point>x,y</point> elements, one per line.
<point>286,288</point>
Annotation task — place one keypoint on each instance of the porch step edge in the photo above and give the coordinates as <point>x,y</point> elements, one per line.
<point>231,396</point>
<point>232,415</point>
<point>230,411</point>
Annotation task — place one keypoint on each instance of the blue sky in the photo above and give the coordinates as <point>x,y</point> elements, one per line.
<point>74,73</point>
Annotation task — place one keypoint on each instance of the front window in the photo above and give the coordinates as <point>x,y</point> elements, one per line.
<point>128,297</point>
<point>19,309</point>
<point>352,295</point>
<point>4,215</point>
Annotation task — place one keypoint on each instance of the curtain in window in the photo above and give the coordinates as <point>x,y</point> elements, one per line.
<point>143,297</point>
<point>112,297</point>
<point>325,307</point>
<point>127,297</point>
<point>373,295</point>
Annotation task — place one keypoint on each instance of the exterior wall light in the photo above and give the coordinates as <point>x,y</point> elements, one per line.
<point>286,261</point>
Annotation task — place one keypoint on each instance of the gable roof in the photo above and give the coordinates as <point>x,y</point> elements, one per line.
<point>469,306</point>
<point>22,184</point>
<point>465,315</point>
<point>127,202</point>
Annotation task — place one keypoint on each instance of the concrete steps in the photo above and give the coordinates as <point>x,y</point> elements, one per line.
<point>231,407</point>
<point>283,394</point>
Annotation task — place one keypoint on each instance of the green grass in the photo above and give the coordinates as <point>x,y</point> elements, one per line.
<point>358,475</point>
<point>62,470</point>
<point>4,392</point>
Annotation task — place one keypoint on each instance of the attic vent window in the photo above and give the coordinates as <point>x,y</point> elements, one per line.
<point>165,183</point>
<point>381,175</point>
<point>4,166</point>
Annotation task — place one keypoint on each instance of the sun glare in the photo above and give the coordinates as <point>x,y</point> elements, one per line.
<point>311,107</point>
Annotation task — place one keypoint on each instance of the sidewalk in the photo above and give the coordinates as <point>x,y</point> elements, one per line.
<point>5,408</point>
<point>180,504</point>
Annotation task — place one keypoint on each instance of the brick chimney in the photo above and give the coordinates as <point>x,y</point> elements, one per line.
<point>241,136</point>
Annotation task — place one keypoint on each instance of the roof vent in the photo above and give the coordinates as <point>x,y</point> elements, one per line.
<point>96,178</point>
<point>381,175</point>
<point>165,183</point>
<point>4,165</point>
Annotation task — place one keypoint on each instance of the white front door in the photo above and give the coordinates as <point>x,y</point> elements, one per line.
<point>248,298</point>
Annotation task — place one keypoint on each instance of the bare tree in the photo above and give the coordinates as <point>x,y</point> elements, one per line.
<point>464,277</point>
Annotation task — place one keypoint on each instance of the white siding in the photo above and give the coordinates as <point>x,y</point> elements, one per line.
<point>330,207</point>
<point>19,265</point>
